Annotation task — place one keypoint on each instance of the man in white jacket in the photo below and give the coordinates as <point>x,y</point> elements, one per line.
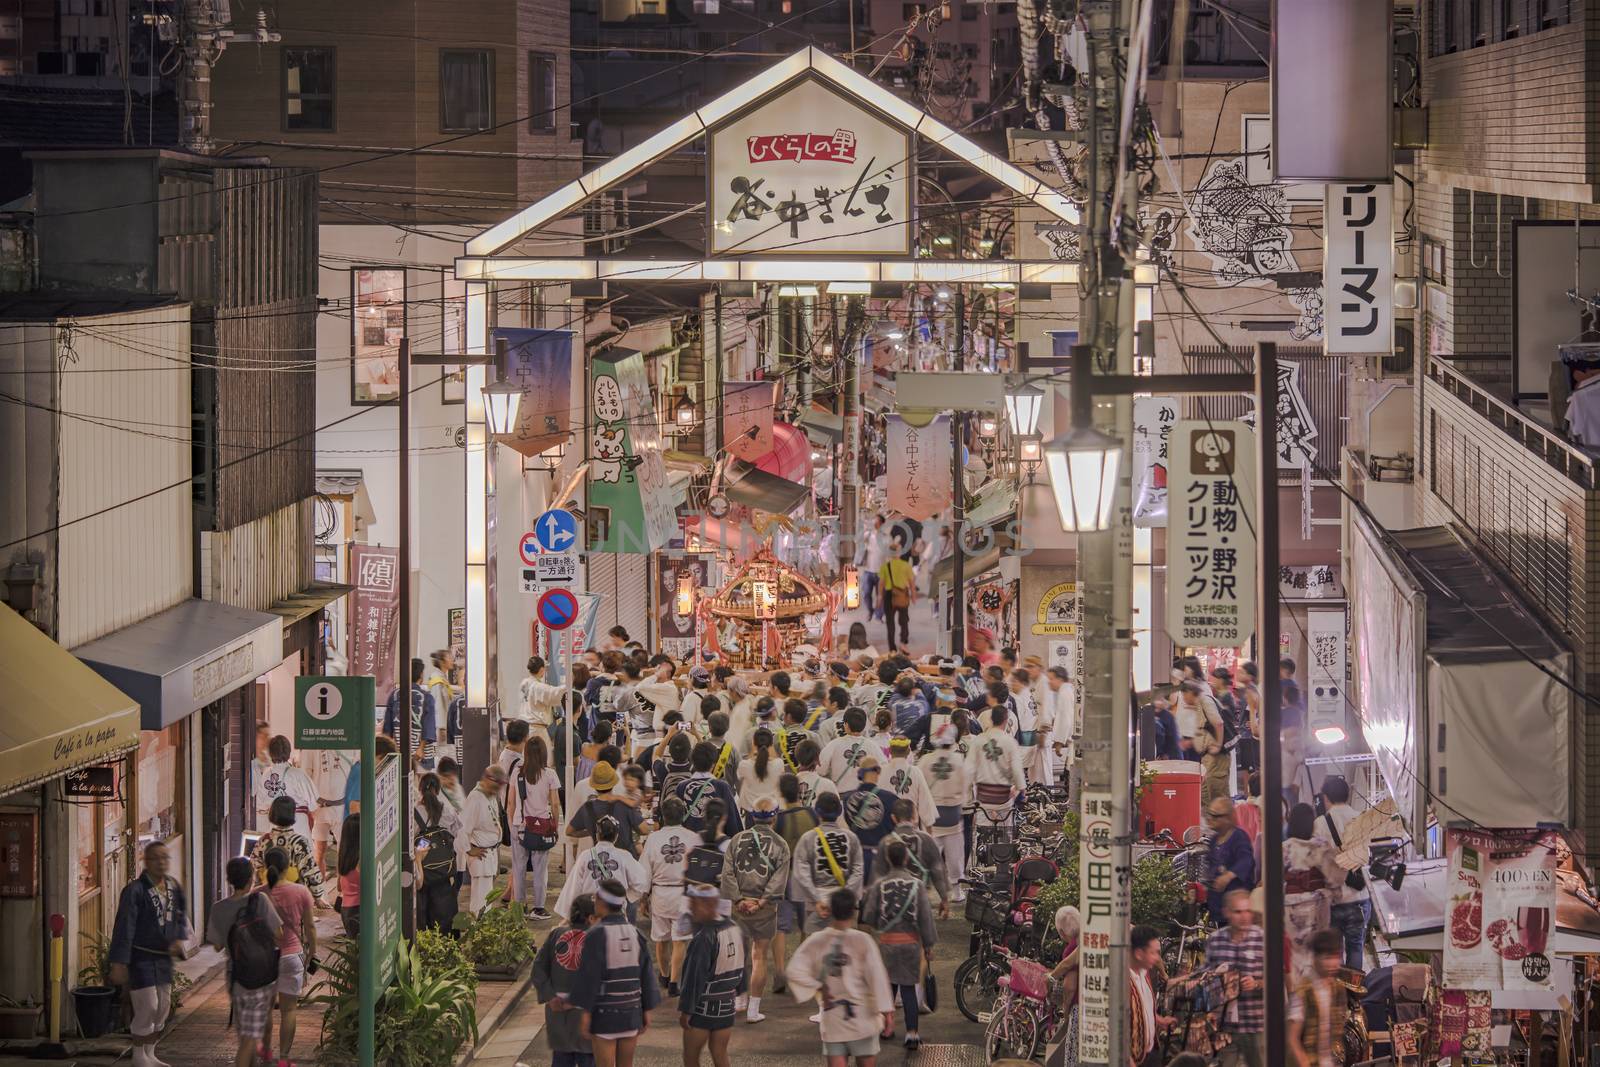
<point>996,766</point>
<point>949,778</point>
<point>826,857</point>
<point>478,840</point>
<point>666,855</point>
<point>842,967</point>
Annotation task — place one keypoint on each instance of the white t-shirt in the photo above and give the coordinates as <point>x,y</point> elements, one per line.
<point>1147,1005</point>
<point>538,795</point>
<point>753,788</point>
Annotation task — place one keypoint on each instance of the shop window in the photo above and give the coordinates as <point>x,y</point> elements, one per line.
<point>163,785</point>
<point>466,90</point>
<point>541,92</point>
<point>308,89</point>
<point>88,830</point>
<point>378,322</point>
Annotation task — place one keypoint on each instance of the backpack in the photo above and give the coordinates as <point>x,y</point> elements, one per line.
<point>440,864</point>
<point>252,947</point>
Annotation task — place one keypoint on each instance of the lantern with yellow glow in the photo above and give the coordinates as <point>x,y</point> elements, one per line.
<point>852,588</point>
<point>685,592</point>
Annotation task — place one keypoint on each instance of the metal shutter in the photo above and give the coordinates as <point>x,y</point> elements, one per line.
<point>623,581</point>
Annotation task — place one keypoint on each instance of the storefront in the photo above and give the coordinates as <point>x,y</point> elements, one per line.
<point>197,656</point>
<point>67,776</point>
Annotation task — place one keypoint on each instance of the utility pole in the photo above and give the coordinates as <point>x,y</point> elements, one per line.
<point>958,494</point>
<point>203,35</point>
<point>1105,560</point>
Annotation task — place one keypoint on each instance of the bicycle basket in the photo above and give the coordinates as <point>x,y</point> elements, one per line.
<point>1029,979</point>
<point>986,913</point>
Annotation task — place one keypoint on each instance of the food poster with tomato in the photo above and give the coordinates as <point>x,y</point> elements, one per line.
<point>1501,910</point>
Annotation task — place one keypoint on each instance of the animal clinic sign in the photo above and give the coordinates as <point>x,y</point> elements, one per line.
<point>810,172</point>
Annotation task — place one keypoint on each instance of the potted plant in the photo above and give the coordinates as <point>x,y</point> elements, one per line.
<point>497,941</point>
<point>95,1001</point>
<point>19,1020</point>
<point>425,1018</point>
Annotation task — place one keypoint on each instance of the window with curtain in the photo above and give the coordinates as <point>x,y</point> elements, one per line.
<point>541,92</point>
<point>308,88</point>
<point>466,90</point>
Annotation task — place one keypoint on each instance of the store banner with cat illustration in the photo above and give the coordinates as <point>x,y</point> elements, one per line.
<point>630,504</point>
<point>1501,908</point>
<point>539,362</point>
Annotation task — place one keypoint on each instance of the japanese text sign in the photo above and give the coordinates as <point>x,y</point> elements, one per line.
<point>809,172</point>
<point>1153,419</point>
<point>1211,544</point>
<point>374,614</point>
<point>1358,269</point>
<point>919,467</point>
<point>1097,895</point>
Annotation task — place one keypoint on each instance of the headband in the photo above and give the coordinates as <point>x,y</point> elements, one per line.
<point>761,815</point>
<point>698,889</point>
<point>611,898</point>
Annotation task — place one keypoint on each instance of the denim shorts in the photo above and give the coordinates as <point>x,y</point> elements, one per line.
<point>789,916</point>
<point>864,1046</point>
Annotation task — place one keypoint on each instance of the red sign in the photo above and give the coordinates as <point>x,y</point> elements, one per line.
<point>374,613</point>
<point>837,147</point>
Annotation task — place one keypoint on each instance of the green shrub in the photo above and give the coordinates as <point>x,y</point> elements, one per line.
<point>427,1015</point>
<point>499,938</point>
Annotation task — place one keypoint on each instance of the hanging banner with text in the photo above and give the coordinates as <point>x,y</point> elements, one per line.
<point>1153,419</point>
<point>919,467</point>
<point>1358,270</point>
<point>539,362</point>
<point>1502,908</point>
<point>627,477</point>
<point>748,406</point>
<point>374,613</point>
<point>810,171</point>
<point>1211,549</point>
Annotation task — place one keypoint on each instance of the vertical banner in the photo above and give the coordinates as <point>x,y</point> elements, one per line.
<point>747,406</point>
<point>627,478</point>
<point>1211,551</point>
<point>1332,107</point>
<point>374,614</point>
<point>1502,908</point>
<point>1325,690</point>
<point>919,467</point>
<point>540,363</point>
<point>1153,419</point>
<point>1096,899</point>
<point>456,628</point>
<point>676,627</point>
<point>1358,270</point>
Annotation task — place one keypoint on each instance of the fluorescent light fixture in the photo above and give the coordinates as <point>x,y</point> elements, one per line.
<point>1146,274</point>
<point>1083,473</point>
<point>850,288</point>
<point>552,207</point>
<point>797,290</point>
<point>852,277</point>
<point>1329,735</point>
<point>808,270</point>
<point>477,665</point>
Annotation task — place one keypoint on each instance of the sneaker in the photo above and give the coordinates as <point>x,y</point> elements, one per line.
<point>817,1018</point>
<point>912,1042</point>
<point>755,1017</point>
<point>540,914</point>
<point>672,989</point>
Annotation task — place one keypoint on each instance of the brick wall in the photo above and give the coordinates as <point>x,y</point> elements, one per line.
<point>1535,521</point>
<point>1519,112</point>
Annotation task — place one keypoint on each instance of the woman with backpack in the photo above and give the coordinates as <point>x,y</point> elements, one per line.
<point>246,926</point>
<point>436,824</point>
<point>538,794</point>
<point>292,901</point>
<point>897,907</point>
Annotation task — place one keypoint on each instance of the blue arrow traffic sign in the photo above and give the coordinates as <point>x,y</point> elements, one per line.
<point>558,609</point>
<point>557,531</point>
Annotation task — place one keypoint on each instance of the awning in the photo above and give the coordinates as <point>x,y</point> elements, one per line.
<point>995,501</point>
<point>56,714</point>
<point>1412,917</point>
<point>823,427</point>
<point>179,661</point>
<point>754,488</point>
<point>977,562</point>
<point>308,601</point>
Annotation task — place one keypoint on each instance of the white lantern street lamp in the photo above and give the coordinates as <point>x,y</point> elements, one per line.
<point>683,413</point>
<point>1023,404</point>
<point>1083,472</point>
<point>500,402</point>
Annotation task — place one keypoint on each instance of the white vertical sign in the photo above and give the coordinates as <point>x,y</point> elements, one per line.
<point>1211,544</point>
<point>1325,649</point>
<point>1358,269</point>
<point>1097,890</point>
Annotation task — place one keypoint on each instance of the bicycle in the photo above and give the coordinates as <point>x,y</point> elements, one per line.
<point>1026,1013</point>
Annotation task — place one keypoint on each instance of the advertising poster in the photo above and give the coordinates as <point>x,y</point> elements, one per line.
<point>1501,909</point>
<point>540,363</point>
<point>1211,548</point>
<point>1153,419</point>
<point>677,629</point>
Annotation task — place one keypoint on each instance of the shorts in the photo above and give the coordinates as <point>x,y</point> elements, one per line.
<point>760,925</point>
<point>571,1059</point>
<point>291,973</point>
<point>325,823</point>
<point>789,917</point>
<point>666,905</point>
<point>861,1046</point>
<point>620,1036</point>
<point>701,1022</point>
<point>251,1009</point>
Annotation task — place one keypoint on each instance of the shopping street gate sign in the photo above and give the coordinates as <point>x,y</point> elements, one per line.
<point>328,711</point>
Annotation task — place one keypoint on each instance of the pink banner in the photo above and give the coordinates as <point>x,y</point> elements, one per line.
<point>920,478</point>
<point>374,614</point>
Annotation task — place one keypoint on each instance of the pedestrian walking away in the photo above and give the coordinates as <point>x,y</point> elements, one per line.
<point>555,973</point>
<point>715,974</point>
<point>246,926</point>
<point>756,877</point>
<point>840,966</point>
<point>616,983</point>
<point>897,908</point>
<point>298,957</point>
